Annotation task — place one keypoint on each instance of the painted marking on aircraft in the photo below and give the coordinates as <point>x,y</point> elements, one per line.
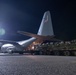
<point>46,19</point>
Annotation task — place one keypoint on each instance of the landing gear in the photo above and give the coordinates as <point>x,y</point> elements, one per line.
<point>10,52</point>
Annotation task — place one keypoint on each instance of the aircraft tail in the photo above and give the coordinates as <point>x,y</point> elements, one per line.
<point>46,25</point>
<point>45,28</point>
<point>45,31</point>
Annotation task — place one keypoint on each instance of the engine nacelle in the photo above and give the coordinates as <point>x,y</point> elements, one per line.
<point>8,48</point>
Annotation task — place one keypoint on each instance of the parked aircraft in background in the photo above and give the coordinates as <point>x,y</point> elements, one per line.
<point>45,32</point>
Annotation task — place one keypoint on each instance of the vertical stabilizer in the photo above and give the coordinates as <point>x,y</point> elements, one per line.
<point>46,25</point>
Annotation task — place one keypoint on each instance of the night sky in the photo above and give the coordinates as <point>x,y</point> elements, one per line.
<point>26,15</point>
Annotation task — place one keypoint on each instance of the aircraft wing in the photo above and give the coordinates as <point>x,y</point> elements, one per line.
<point>6,41</point>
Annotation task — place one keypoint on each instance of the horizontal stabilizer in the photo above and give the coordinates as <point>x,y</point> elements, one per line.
<point>35,35</point>
<point>29,34</point>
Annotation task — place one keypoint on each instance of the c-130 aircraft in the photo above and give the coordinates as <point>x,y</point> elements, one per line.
<point>45,32</point>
